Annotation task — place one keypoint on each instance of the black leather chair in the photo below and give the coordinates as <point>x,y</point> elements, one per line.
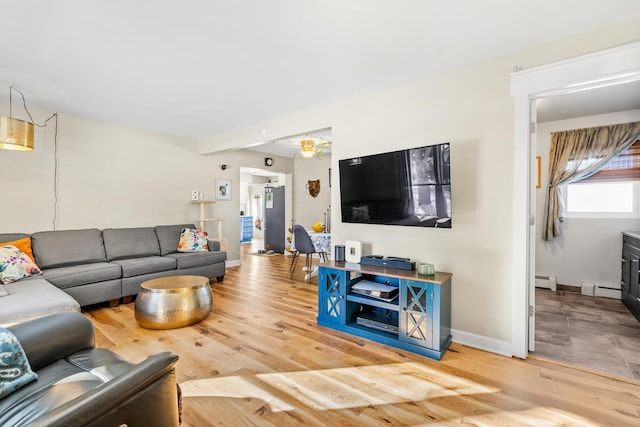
<point>80,385</point>
<point>303,245</point>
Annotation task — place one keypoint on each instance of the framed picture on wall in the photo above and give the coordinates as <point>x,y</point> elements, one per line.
<point>223,189</point>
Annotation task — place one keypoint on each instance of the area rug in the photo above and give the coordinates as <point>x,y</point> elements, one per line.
<point>264,254</point>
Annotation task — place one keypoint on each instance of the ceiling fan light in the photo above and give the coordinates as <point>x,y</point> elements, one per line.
<point>307,148</point>
<point>16,134</point>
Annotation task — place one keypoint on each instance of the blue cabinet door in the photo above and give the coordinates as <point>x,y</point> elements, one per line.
<point>332,293</point>
<point>246,229</point>
<point>416,323</point>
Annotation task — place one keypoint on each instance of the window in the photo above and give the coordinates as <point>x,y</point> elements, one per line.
<point>623,167</point>
<point>612,192</point>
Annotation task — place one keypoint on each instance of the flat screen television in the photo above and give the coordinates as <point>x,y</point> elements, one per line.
<point>408,187</point>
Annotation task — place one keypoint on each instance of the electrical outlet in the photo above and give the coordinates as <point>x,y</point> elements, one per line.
<point>195,195</point>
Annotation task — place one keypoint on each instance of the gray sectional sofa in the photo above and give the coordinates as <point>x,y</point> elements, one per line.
<point>84,267</point>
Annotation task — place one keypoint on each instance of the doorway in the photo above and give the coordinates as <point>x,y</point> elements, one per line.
<point>607,68</point>
<point>302,207</point>
<point>586,311</point>
<point>253,209</point>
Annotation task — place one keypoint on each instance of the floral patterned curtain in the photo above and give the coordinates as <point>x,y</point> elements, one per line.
<point>577,154</point>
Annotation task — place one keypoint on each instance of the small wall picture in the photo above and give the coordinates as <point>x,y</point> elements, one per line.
<point>268,199</point>
<point>223,189</point>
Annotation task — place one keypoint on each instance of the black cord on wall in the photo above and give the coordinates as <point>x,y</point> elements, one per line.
<point>55,148</point>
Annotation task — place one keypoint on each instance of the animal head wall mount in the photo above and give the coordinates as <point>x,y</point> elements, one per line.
<point>313,187</point>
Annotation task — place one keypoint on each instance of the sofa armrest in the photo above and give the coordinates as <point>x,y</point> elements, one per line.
<point>53,337</point>
<point>145,395</point>
<point>214,245</point>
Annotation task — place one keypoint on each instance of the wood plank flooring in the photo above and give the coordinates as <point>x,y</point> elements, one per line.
<point>259,359</point>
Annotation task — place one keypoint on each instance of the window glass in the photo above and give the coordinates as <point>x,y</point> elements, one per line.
<point>605,197</point>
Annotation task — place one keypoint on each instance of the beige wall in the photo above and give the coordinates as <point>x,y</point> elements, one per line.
<point>306,209</point>
<point>471,108</point>
<point>114,176</point>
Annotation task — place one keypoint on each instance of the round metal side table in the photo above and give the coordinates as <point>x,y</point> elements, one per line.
<point>173,302</point>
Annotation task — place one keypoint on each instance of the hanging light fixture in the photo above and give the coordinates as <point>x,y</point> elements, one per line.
<point>307,148</point>
<point>15,134</point>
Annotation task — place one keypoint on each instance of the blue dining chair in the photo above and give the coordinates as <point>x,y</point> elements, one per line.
<point>303,245</point>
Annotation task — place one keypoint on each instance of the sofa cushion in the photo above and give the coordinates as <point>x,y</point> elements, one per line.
<point>23,244</point>
<point>67,277</point>
<point>193,240</point>
<point>214,245</point>
<point>8,237</point>
<point>122,243</point>
<point>139,266</point>
<point>197,259</point>
<point>169,236</point>
<point>15,265</point>
<point>33,297</point>
<point>69,247</point>
<point>60,383</point>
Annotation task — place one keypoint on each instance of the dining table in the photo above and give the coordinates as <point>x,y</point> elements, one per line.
<point>322,244</point>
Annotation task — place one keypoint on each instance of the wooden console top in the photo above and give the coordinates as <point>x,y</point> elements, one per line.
<point>439,277</point>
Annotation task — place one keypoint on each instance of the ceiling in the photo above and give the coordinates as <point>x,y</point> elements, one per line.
<point>201,68</point>
<point>609,99</point>
<point>290,146</point>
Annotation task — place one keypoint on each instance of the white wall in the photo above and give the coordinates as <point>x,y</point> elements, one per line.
<point>471,108</point>
<point>588,250</point>
<point>307,210</point>
<point>108,176</point>
<point>114,176</point>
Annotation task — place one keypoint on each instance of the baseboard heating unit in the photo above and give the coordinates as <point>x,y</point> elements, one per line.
<point>548,282</point>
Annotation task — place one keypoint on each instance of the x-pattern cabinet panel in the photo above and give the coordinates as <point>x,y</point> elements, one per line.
<point>416,312</point>
<point>333,291</point>
<point>418,319</point>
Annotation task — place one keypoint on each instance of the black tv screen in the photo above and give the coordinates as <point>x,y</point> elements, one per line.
<point>407,187</point>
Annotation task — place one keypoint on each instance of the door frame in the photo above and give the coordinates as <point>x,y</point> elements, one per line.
<point>603,68</point>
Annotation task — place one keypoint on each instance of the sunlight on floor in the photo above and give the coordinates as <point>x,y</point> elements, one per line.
<point>370,385</point>
<point>340,388</point>
<point>537,416</point>
<point>235,387</point>
<point>364,386</point>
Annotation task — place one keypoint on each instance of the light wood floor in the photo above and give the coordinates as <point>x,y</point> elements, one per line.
<point>259,359</point>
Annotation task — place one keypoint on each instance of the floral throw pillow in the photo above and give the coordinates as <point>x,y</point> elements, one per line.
<point>15,370</point>
<point>15,264</point>
<point>23,244</point>
<point>193,240</point>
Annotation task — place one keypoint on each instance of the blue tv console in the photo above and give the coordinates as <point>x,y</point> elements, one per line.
<point>417,320</point>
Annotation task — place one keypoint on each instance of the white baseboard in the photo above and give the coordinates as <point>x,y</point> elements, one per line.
<point>481,342</point>
<point>232,263</point>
